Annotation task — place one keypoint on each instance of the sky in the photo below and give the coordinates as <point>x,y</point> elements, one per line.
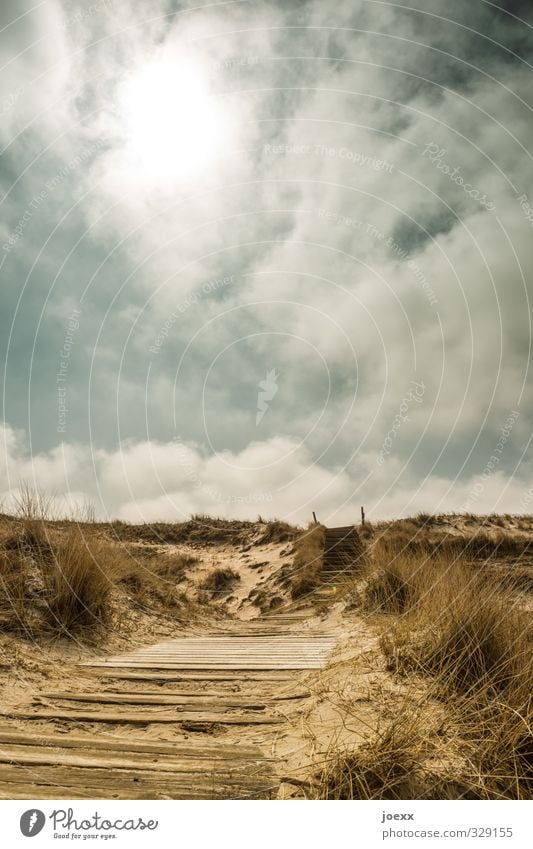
<point>267,258</point>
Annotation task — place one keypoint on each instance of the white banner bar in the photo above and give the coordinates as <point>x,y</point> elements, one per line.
<point>266,825</point>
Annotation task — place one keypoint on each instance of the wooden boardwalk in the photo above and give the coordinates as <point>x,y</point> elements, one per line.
<point>151,723</point>
<point>231,652</point>
<point>343,549</point>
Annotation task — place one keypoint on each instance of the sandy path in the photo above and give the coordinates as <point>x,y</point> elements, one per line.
<point>205,718</point>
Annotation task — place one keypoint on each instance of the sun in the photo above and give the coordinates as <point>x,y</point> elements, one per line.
<point>174,125</point>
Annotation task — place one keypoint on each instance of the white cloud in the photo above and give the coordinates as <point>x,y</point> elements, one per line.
<point>35,55</point>
<point>149,481</point>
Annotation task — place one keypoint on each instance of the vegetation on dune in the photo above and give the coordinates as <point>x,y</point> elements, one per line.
<point>67,576</point>
<point>203,531</point>
<point>423,536</point>
<point>154,580</point>
<point>461,635</point>
<point>54,582</point>
<point>387,766</point>
<point>308,560</point>
<point>220,581</point>
<point>69,581</point>
<point>276,531</point>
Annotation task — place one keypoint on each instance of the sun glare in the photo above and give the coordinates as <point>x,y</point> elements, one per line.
<point>174,125</point>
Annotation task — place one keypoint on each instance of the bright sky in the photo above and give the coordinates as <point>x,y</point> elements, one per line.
<point>267,258</point>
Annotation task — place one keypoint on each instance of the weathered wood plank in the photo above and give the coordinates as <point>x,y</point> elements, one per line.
<point>223,652</point>
<point>246,666</point>
<point>40,755</point>
<point>99,670</point>
<point>158,699</point>
<point>143,718</point>
<point>21,790</point>
<point>111,782</point>
<point>197,695</point>
<point>192,700</point>
<point>119,744</point>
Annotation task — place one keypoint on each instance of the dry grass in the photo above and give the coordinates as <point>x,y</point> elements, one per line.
<point>480,642</point>
<point>70,581</point>
<point>69,578</point>
<point>153,580</point>
<point>32,504</point>
<point>274,532</point>
<point>308,559</point>
<point>462,635</point>
<point>385,767</point>
<point>475,644</point>
<point>411,537</point>
<point>459,628</point>
<point>78,584</point>
<point>220,581</point>
<point>395,586</point>
<point>504,751</point>
<point>60,583</point>
<point>202,531</point>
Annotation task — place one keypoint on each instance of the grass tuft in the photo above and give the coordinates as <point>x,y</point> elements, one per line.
<point>308,560</point>
<point>220,581</point>
<point>385,767</point>
<point>59,583</point>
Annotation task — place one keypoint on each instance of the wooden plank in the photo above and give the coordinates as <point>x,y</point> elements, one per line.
<point>21,790</point>
<point>233,656</point>
<point>152,697</point>
<point>195,695</point>
<point>211,667</point>
<point>143,718</point>
<point>121,781</point>
<point>283,648</point>
<point>249,666</point>
<point>220,656</point>
<point>194,651</point>
<point>157,699</point>
<point>242,643</point>
<point>245,642</point>
<point>36,755</point>
<point>271,676</point>
<point>230,639</point>
<point>229,654</point>
<point>119,744</point>
<point>237,651</point>
<point>94,766</point>
<point>233,662</point>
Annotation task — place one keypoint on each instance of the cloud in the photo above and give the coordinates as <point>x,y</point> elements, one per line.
<point>151,481</point>
<point>366,214</point>
<point>36,61</point>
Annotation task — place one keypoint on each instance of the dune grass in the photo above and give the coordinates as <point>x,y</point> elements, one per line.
<point>56,583</point>
<point>308,560</point>
<point>467,640</point>
<point>69,581</point>
<point>386,766</point>
<point>220,581</point>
